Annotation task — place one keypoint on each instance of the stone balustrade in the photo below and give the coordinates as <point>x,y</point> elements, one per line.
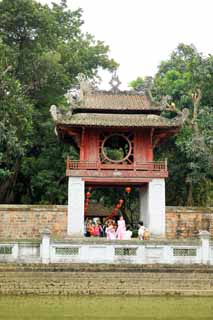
<point>97,250</point>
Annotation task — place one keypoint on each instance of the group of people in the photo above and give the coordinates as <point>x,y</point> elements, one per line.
<point>112,230</point>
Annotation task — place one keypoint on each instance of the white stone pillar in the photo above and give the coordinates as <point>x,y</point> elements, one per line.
<point>143,200</point>
<point>152,207</point>
<point>45,247</point>
<point>75,219</point>
<point>15,251</point>
<point>157,207</point>
<point>204,237</point>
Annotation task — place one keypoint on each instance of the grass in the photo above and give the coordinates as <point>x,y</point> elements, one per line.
<point>102,308</point>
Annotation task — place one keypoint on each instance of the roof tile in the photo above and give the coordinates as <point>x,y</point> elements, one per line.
<point>118,102</point>
<point>118,120</point>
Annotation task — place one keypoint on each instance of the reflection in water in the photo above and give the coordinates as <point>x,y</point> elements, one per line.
<point>127,308</point>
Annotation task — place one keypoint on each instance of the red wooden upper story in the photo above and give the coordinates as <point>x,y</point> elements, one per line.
<point>116,153</point>
<point>115,133</point>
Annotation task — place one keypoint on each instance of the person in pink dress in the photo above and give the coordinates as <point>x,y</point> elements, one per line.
<point>110,231</point>
<point>120,232</point>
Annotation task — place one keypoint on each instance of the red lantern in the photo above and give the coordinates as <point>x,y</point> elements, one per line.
<point>118,206</point>
<point>87,201</point>
<point>88,194</point>
<point>128,189</point>
<point>86,206</point>
<point>121,201</point>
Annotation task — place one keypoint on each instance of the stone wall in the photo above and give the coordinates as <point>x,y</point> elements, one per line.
<point>28,221</point>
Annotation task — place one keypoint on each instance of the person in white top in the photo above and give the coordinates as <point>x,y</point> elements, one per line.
<point>141,230</point>
<point>127,234</point>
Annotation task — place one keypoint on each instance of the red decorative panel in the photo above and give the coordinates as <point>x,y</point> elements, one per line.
<point>137,161</point>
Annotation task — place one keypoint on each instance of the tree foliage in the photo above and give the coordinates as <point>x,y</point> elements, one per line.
<point>42,51</point>
<point>15,124</point>
<point>187,77</point>
<point>135,84</point>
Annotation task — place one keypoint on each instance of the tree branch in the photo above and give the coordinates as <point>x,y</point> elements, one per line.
<point>6,70</point>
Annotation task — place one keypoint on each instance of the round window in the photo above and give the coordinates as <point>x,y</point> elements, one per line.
<point>116,148</point>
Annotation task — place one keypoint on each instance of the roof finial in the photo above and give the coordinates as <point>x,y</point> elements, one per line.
<point>115,82</point>
<point>84,85</point>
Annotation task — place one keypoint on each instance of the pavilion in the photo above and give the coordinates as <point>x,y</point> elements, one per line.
<point>116,133</point>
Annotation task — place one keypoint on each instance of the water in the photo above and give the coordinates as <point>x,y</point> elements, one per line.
<point>125,308</point>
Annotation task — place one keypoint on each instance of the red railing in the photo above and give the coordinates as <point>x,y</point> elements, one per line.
<point>138,166</point>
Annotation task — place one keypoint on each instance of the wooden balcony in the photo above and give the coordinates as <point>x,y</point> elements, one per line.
<point>137,170</point>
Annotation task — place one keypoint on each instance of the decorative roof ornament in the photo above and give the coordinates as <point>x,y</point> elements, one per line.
<point>55,113</point>
<point>72,96</point>
<point>85,86</point>
<point>115,83</point>
<point>148,82</point>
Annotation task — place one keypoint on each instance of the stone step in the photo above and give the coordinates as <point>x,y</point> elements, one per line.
<point>108,275</point>
<point>111,292</point>
<point>105,283</point>
<point>105,280</point>
<point>106,268</point>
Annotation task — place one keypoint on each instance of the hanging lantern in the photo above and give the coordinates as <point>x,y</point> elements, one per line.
<point>118,206</point>
<point>128,189</point>
<point>86,206</point>
<point>87,201</point>
<point>88,194</point>
<point>121,201</point>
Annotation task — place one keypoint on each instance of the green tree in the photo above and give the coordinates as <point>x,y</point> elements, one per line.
<point>187,77</point>
<point>48,50</point>
<point>15,124</point>
<point>137,83</point>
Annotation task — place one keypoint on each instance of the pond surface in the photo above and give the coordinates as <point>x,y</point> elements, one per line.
<point>125,308</point>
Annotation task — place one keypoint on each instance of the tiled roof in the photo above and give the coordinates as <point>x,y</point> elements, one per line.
<point>119,101</point>
<point>98,210</point>
<point>118,120</point>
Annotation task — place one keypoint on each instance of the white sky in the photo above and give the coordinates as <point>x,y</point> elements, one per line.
<point>142,33</point>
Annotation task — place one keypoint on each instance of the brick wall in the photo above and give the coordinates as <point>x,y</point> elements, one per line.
<point>186,222</point>
<point>28,222</point>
